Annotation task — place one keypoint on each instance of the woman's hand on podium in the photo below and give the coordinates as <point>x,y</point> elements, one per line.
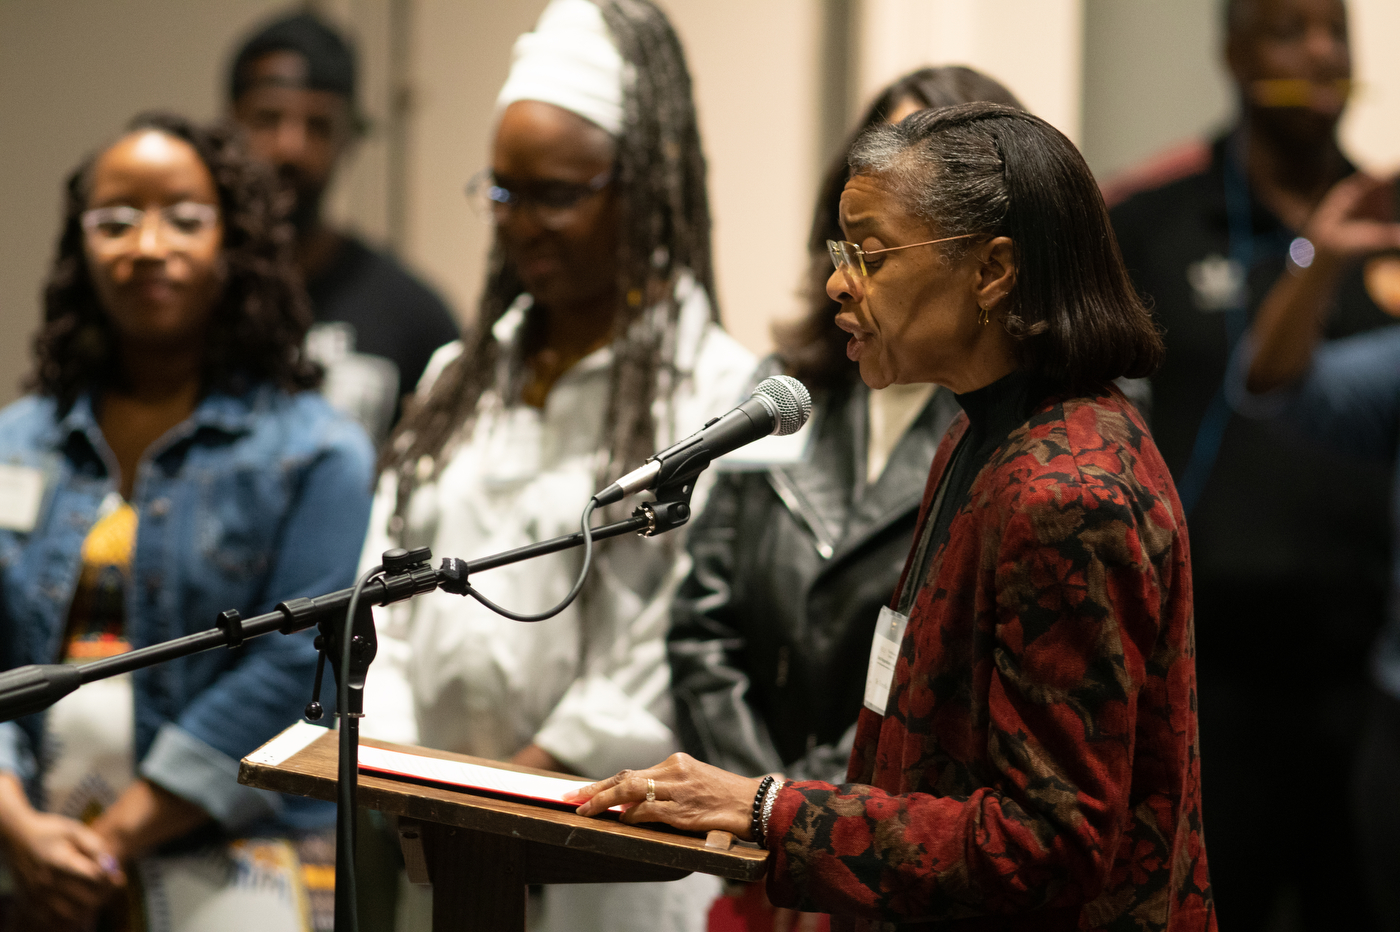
<point>689,795</point>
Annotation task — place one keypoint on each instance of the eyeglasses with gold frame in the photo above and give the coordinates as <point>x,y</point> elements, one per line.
<point>848,255</point>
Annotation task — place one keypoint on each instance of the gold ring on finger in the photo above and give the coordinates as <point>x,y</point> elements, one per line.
<point>651,790</point>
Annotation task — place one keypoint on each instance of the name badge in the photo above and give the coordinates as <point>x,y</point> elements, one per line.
<point>21,494</point>
<point>884,651</point>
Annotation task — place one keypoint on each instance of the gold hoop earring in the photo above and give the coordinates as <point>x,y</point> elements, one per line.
<point>984,315</point>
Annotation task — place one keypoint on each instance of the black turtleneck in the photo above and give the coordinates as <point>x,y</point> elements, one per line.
<point>993,412</point>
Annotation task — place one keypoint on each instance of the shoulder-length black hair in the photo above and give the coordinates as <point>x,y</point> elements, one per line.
<point>992,170</point>
<point>262,313</point>
<point>812,348</point>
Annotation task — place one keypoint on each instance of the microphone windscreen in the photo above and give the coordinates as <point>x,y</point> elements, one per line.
<point>793,401</point>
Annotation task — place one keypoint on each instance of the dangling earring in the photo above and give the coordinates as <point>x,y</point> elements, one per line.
<point>984,315</point>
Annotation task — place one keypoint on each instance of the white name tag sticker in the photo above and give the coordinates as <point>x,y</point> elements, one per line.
<point>884,652</point>
<point>21,494</point>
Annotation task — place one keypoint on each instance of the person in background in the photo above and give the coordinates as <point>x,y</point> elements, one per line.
<point>598,343</point>
<point>292,87</point>
<point>1288,538</point>
<point>793,558</point>
<point>170,463</point>
<point>1026,758</point>
<point>1345,395</point>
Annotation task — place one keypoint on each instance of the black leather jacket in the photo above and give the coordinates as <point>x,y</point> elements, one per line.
<point>771,630</point>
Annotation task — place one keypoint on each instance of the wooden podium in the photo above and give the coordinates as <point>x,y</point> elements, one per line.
<point>480,853</point>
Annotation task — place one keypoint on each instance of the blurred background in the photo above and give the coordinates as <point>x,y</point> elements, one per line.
<point>777,84</point>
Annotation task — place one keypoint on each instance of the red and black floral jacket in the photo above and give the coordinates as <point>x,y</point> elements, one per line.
<point>1038,764</point>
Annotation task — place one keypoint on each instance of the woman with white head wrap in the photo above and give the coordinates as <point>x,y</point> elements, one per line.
<point>597,342</point>
<point>571,61</point>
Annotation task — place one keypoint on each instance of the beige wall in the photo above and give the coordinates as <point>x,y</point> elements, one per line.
<point>756,90</point>
<point>1031,46</point>
<point>1371,128</point>
<point>1151,78</point>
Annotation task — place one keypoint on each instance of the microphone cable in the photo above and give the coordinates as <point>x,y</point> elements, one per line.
<point>349,763</point>
<point>586,530</point>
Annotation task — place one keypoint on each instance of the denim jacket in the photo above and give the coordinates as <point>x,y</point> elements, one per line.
<point>252,500</point>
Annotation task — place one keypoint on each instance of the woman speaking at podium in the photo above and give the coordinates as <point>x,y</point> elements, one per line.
<point>1026,757</point>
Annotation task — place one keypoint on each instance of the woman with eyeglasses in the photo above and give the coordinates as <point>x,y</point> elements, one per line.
<point>1025,757</point>
<point>795,554</point>
<point>169,464</point>
<point>597,344</point>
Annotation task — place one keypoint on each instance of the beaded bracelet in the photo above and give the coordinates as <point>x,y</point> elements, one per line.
<point>756,823</point>
<point>768,802</point>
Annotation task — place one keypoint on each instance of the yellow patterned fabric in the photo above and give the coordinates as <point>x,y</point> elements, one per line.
<point>88,734</point>
<point>97,617</point>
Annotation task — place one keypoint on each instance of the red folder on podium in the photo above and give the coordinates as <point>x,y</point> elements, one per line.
<point>474,778</point>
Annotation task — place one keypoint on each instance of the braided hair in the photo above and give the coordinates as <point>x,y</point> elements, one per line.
<point>665,220</point>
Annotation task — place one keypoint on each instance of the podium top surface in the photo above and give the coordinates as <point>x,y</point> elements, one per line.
<point>311,771</point>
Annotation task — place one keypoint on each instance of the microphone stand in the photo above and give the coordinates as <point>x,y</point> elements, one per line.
<point>406,573</point>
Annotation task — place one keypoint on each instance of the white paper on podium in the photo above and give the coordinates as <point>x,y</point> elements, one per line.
<point>471,776</point>
<point>293,739</point>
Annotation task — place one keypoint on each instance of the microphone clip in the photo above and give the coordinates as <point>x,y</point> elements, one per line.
<point>671,508</point>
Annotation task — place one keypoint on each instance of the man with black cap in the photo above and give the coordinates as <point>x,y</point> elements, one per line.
<point>292,87</point>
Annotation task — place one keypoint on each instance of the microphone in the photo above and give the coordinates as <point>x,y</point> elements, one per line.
<point>779,405</point>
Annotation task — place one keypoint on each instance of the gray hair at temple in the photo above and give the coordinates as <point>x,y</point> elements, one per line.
<point>812,347</point>
<point>957,189</point>
<point>990,170</point>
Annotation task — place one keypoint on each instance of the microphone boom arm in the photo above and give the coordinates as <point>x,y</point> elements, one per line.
<point>33,688</point>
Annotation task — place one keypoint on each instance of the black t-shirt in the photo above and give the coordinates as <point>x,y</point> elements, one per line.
<point>393,314</point>
<point>1275,509</point>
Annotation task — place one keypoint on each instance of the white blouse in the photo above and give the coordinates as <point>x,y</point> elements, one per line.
<point>591,685</point>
